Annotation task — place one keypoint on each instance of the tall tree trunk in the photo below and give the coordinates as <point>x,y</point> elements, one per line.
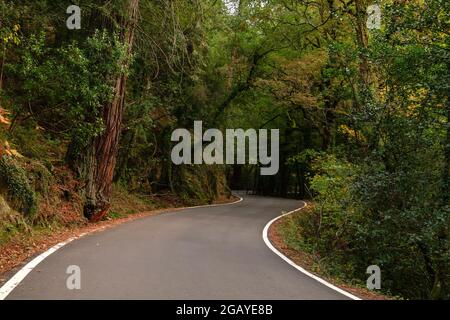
<point>102,158</point>
<point>363,41</point>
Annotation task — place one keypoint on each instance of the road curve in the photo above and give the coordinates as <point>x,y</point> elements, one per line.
<point>200,253</point>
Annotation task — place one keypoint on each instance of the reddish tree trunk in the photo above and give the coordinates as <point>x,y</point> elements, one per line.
<point>102,157</point>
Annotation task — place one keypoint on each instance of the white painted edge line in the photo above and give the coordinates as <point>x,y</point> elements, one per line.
<point>213,205</point>
<point>292,263</point>
<point>12,283</point>
<point>15,280</point>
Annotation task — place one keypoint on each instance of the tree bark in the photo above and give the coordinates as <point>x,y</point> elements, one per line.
<point>102,158</point>
<point>363,42</point>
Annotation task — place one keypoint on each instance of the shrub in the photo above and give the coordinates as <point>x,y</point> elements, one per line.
<point>14,184</point>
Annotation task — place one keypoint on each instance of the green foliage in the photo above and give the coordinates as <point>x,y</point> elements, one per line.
<point>331,182</point>
<point>365,215</point>
<point>197,185</point>
<point>15,185</point>
<point>71,82</point>
<point>382,196</point>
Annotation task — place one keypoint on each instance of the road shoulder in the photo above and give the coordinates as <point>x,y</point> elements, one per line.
<point>307,261</point>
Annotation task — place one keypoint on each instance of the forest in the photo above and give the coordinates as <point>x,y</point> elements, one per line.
<point>87,114</point>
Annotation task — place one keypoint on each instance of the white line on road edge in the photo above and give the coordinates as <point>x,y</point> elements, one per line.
<point>12,283</point>
<point>292,263</point>
<point>9,286</point>
<point>216,205</point>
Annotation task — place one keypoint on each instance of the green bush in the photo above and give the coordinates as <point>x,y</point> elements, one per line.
<point>199,185</point>
<point>366,215</point>
<point>14,184</point>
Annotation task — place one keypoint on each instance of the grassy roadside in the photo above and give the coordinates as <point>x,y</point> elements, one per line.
<point>20,245</point>
<point>286,235</point>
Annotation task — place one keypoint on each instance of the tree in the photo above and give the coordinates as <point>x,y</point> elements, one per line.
<point>101,159</point>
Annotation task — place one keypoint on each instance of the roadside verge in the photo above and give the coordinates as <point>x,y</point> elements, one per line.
<point>303,261</point>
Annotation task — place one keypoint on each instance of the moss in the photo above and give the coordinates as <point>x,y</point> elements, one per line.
<point>199,184</point>
<point>124,203</point>
<point>11,222</point>
<point>40,178</point>
<point>15,186</point>
<point>32,144</point>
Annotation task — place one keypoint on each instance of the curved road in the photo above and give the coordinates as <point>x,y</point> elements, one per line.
<point>201,253</point>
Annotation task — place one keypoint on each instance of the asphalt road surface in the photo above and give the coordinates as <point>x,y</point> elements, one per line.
<point>202,253</point>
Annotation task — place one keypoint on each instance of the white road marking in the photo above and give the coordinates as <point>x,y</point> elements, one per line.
<point>215,205</point>
<point>9,286</point>
<point>292,263</point>
<point>12,283</point>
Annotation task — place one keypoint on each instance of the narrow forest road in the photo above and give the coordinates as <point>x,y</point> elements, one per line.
<point>200,253</point>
